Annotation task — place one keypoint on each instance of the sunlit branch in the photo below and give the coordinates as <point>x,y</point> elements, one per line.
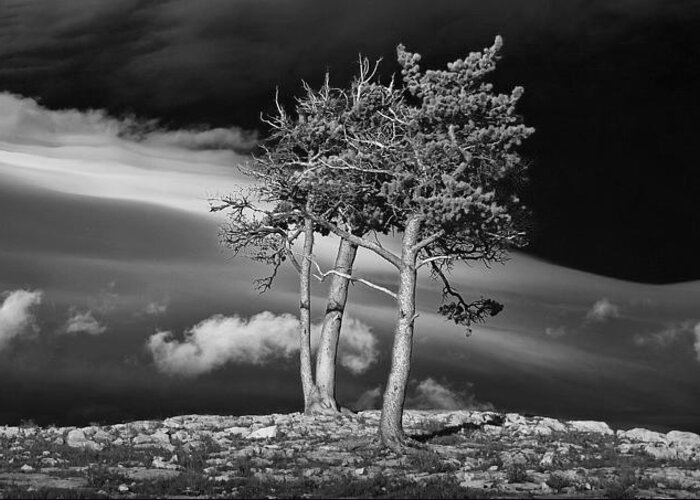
<point>323,275</point>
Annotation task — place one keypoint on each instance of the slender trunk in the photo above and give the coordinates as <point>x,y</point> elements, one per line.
<point>390,427</point>
<point>332,322</point>
<point>307,381</point>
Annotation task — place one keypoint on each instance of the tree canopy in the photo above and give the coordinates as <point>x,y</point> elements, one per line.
<point>430,157</point>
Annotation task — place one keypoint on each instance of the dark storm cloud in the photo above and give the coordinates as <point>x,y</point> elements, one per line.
<point>188,59</point>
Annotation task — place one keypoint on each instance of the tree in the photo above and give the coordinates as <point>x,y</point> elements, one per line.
<point>442,165</point>
<point>433,159</point>
<point>266,220</point>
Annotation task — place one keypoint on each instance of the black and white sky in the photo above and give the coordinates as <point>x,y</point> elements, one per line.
<point>119,119</point>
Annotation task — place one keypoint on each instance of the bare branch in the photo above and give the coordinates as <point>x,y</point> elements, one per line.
<point>391,257</point>
<point>323,275</point>
<point>434,259</point>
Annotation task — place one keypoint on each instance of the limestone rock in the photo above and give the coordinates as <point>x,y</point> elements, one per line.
<point>591,426</point>
<point>160,463</point>
<point>76,439</point>
<point>269,432</point>
<point>101,436</point>
<point>643,435</point>
<point>327,449</point>
<point>237,431</point>
<point>547,459</point>
<point>687,439</point>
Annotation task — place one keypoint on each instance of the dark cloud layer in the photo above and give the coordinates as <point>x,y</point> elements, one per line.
<point>610,87</point>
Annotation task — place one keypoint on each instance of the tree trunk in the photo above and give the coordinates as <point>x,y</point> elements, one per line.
<point>390,427</point>
<point>332,322</point>
<point>307,381</point>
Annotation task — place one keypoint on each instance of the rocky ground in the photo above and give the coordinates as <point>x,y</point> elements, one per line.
<point>467,455</point>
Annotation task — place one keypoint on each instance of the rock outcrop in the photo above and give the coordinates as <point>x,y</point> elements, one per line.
<point>461,453</point>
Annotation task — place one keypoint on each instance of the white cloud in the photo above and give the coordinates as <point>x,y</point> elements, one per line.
<point>683,332</point>
<point>666,337</point>
<point>555,332</point>
<point>603,310</point>
<point>368,400</point>
<point>156,308</point>
<point>220,339</point>
<point>84,322</point>
<point>216,138</point>
<point>357,348</point>
<point>431,395</point>
<point>24,120</point>
<point>265,337</point>
<point>661,338</point>
<point>16,315</point>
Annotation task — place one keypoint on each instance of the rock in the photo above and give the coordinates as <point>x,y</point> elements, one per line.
<point>552,424</point>
<point>182,435</point>
<point>311,472</point>
<point>341,448</point>
<point>590,426</point>
<point>161,437</point>
<point>237,431</point>
<point>141,439</point>
<point>514,419</point>
<point>10,431</point>
<point>144,474</point>
<point>686,439</point>
<point>160,463</point>
<point>470,480</point>
<point>547,459</point>
<point>660,452</point>
<point>102,436</point>
<point>269,432</point>
<point>76,439</point>
<point>644,435</point>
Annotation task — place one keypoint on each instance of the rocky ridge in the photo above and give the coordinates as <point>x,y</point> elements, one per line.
<point>465,454</point>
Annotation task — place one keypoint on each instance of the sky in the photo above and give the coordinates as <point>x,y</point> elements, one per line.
<point>119,120</point>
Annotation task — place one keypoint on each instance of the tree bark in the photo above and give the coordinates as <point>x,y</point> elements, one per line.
<point>330,331</point>
<point>307,381</point>
<point>390,426</point>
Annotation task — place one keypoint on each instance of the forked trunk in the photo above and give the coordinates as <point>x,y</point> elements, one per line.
<point>330,331</point>
<point>307,381</point>
<point>390,426</point>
